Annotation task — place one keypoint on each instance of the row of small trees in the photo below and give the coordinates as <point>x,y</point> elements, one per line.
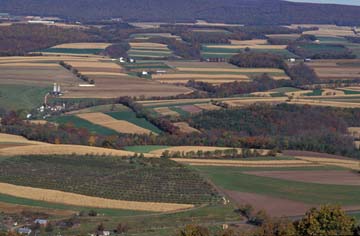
<point>77,73</point>
<point>225,153</point>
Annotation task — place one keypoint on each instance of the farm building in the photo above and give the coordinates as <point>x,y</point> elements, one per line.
<point>42,222</point>
<point>24,231</point>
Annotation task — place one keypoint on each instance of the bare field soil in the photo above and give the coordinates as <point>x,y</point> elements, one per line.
<point>320,177</point>
<point>84,45</point>
<point>120,126</point>
<point>185,128</point>
<point>165,111</point>
<point>277,207</point>
<point>36,75</point>
<point>191,109</point>
<point>86,201</point>
<point>207,106</point>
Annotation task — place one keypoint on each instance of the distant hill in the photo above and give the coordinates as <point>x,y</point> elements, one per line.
<point>229,11</point>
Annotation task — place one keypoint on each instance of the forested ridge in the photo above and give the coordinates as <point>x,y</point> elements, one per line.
<point>239,11</point>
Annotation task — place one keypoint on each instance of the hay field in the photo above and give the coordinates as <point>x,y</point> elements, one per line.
<point>238,70</point>
<point>252,42</point>
<point>185,128</point>
<point>349,164</point>
<point>166,111</point>
<point>246,102</point>
<point>61,149</point>
<point>326,30</point>
<point>83,45</point>
<point>61,197</point>
<point>325,103</point>
<point>207,106</point>
<point>9,138</point>
<point>239,46</point>
<point>244,163</point>
<point>148,45</point>
<point>120,126</point>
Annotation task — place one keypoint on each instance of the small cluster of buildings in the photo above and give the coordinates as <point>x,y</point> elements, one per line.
<point>25,230</point>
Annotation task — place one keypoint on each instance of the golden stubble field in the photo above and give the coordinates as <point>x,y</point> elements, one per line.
<point>107,121</point>
<point>67,198</point>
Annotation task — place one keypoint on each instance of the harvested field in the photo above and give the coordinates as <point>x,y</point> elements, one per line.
<point>246,102</point>
<point>36,74</point>
<point>15,209</point>
<point>326,30</point>
<point>332,92</point>
<point>101,108</point>
<point>165,111</point>
<point>244,163</point>
<point>207,106</point>
<point>60,149</point>
<point>283,36</point>
<point>190,109</point>
<point>237,46</point>
<point>120,126</point>
<point>8,145</point>
<point>94,64</point>
<point>87,201</point>
<point>336,69</point>
<point>321,177</point>
<point>279,206</point>
<point>197,64</point>
<point>239,70</point>
<point>253,42</point>
<point>90,73</point>
<point>83,45</point>
<point>199,76</point>
<point>185,128</point>
<point>148,45</point>
<point>350,164</point>
<point>325,103</point>
<point>9,138</point>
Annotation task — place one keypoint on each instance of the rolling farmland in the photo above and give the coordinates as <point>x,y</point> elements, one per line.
<point>116,178</point>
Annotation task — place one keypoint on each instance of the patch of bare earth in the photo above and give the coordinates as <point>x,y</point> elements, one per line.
<point>272,205</point>
<point>320,177</point>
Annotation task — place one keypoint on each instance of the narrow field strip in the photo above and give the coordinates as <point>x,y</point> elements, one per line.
<point>350,164</point>
<point>61,197</point>
<point>241,163</point>
<point>240,70</point>
<point>107,121</point>
<point>200,76</point>
<point>62,149</point>
<point>165,111</point>
<point>83,45</point>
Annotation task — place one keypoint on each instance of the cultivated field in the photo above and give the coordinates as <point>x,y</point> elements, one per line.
<point>66,198</point>
<point>84,45</point>
<point>185,128</point>
<point>151,180</point>
<point>120,126</point>
<point>196,149</point>
<point>289,195</point>
<point>215,73</point>
<point>336,69</point>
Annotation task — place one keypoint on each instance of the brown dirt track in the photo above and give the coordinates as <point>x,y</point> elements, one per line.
<point>320,177</point>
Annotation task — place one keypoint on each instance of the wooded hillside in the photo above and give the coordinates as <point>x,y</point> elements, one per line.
<point>239,11</point>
